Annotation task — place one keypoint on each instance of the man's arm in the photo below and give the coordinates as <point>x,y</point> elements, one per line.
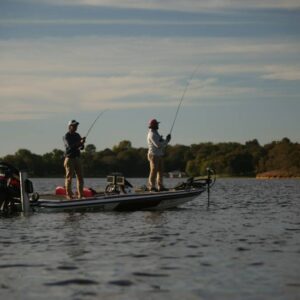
<point>158,141</point>
<point>71,144</point>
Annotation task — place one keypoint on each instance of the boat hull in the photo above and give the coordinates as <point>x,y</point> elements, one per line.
<point>126,202</point>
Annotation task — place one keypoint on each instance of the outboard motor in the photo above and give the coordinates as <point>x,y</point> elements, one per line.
<point>9,187</point>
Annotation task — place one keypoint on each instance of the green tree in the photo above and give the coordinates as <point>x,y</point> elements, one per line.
<point>122,146</point>
<point>53,163</point>
<point>90,149</point>
<point>230,159</point>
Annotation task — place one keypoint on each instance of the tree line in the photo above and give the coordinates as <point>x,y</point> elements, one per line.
<point>228,159</point>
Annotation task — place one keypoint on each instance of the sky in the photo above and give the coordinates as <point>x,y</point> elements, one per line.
<point>71,59</point>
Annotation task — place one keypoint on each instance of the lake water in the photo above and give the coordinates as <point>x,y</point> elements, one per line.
<point>246,245</point>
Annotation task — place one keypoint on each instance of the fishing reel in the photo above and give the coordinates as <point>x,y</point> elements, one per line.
<point>168,138</point>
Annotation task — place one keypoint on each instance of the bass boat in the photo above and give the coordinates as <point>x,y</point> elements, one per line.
<point>21,197</point>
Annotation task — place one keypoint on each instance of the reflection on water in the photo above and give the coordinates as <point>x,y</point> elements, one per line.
<point>246,245</point>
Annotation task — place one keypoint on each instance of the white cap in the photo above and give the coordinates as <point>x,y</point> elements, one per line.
<point>73,122</point>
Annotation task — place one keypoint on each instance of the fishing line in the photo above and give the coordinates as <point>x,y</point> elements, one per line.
<point>186,88</point>
<point>89,130</point>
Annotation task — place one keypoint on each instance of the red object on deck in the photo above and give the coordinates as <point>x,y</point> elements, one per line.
<point>60,190</point>
<point>87,192</point>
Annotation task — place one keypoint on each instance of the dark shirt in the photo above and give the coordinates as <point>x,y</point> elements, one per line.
<point>72,141</point>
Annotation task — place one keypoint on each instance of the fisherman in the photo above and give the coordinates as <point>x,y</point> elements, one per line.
<point>156,147</point>
<point>73,143</point>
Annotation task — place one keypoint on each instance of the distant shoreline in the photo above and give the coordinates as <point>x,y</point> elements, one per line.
<point>276,174</point>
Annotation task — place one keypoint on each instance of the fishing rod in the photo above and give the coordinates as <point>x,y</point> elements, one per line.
<point>186,88</point>
<point>89,130</point>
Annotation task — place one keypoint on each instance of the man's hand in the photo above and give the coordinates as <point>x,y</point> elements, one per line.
<point>81,143</point>
<point>168,138</point>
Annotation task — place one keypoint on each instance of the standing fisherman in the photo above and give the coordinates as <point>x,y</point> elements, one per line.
<point>73,143</point>
<point>156,147</point>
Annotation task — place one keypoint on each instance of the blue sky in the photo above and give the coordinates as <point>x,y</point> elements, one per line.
<point>66,59</point>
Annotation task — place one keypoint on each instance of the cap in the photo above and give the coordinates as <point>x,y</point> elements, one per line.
<point>73,123</point>
<point>153,123</point>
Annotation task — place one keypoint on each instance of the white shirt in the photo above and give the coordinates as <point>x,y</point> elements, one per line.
<point>156,144</point>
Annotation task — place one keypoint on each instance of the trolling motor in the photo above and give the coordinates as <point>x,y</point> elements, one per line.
<point>116,184</point>
<point>199,182</point>
<point>210,181</point>
<point>206,183</point>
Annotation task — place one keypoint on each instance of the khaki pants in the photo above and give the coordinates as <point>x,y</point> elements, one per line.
<point>156,171</point>
<point>73,165</point>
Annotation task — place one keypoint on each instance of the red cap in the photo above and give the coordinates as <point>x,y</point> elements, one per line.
<point>153,123</point>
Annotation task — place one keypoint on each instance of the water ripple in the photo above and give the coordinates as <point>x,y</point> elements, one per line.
<point>76,281</point>
<point>121,282</point>
<point>144,274</point>
<point>8,266</point>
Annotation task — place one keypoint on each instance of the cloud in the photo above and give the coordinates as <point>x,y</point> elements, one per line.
<point>36,97</point>
<point>179,5</point>
<point>43,77</point>
<point>105,56</point>
<point>288,73</point>
<point>282,72</point>
<point>134,21</point>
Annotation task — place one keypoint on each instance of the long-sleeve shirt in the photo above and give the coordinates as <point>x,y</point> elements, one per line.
<point>72,144</point>
<point>156,144</point>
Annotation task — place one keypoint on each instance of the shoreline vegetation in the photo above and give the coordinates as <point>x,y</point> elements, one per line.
<point>279,159</point>
<point>277,174</point>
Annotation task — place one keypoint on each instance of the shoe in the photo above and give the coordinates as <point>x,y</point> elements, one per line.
<point>162,189</point>
<point>153,189</point>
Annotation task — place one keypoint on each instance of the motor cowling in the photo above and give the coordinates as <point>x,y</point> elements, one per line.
<point>9,186</point>
<point>10,179</point>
